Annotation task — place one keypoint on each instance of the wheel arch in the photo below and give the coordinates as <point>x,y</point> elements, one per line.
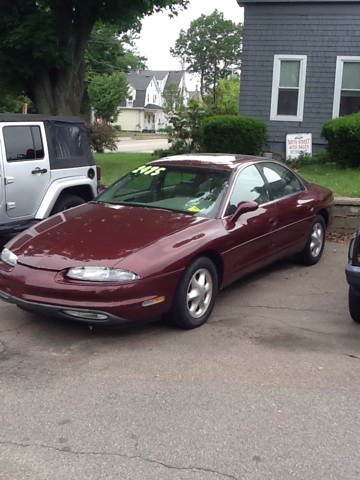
<point>83,191</point>
<point>217,260</point>
<point>325,214</point>
<point>64,187</point>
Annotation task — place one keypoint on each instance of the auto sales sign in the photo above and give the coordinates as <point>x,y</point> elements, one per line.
<point>298,144</point>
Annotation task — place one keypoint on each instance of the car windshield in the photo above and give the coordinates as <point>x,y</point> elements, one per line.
<point>195,191</point>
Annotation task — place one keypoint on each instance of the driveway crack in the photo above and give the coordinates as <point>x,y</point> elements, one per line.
<point>16,328</point>
<point>122,455</point>
<point>292,309</point>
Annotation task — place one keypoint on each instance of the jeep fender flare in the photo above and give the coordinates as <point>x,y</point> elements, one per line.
<point>56,188</point>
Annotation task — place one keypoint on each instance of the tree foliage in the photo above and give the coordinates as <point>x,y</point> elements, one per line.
<point>184,132</point>
<point>172,96</point>
<point>106,92</point>
<point>43,43</point>
<point>212,48</point>
<point>109,51</point>
<point>227,94</point>
<point>107,54</point>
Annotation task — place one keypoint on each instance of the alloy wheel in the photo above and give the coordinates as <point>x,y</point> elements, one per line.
<point>317,239</point>
<point>199,293</point>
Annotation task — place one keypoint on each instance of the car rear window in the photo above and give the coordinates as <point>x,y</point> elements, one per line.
<point>67,141</point>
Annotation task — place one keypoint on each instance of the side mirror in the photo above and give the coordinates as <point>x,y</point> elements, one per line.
<point>243,207</point>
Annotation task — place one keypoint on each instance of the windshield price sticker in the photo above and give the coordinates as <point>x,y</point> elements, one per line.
<point>149,170</point>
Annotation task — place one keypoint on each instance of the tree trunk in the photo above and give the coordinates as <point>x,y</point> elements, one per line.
<point>202,75</point>
<point>215,84</point>
<point>60,91</point>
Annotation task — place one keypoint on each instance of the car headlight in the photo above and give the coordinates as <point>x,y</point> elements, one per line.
<point>7,256</point>
<point>101,274</point>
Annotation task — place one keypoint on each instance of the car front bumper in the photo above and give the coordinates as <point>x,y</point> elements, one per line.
<point>353,275</point>
<point>50,293</point>
<point>87,315</point>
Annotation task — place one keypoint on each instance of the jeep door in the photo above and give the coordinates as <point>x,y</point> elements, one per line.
<point>26,168</point>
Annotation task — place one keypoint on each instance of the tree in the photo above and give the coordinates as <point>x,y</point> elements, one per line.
<point>172,96</point>
<point>212,49</point>
<point>43,43</point>
<point>185,130</point>
<point>109,52</point>
<point>226,101</point>
<point>106,92</point>
<point>10,102</point>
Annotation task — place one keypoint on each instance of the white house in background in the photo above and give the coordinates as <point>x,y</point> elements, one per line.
<point>143,109</point>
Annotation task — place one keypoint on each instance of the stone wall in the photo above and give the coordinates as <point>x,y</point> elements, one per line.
<point>346,215</point>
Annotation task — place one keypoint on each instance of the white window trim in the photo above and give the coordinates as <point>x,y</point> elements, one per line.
<point>340,60</point>
<point>275,89</point>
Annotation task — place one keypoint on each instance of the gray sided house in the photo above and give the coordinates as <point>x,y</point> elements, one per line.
<point>301,65</point>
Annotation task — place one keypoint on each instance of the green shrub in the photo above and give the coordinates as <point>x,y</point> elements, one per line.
<point>305,159</point>
<point>343,137</point>
<point>233,134</point>
<point>102,137</point>
<point>175,149</point>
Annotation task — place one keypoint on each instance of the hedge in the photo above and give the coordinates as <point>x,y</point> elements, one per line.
<point>233,134</point>
<point>343,140</point>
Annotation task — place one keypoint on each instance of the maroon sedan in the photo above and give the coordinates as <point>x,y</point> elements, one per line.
<point>164,238</point>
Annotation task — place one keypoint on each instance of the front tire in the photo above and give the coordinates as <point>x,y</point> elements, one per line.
<point>316,242</point>
<point>354,305</point>
<point>195,294</point>
<point>66,201</point>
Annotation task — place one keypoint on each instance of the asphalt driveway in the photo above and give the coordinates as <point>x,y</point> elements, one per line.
<point>267,389</point>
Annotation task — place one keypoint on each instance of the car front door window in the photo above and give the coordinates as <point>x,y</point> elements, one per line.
<point>249,187</point>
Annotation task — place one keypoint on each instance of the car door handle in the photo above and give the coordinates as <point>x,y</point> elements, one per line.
<point>273,221</point>
<point>39,170</point>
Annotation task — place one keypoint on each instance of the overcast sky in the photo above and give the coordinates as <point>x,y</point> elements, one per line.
<point>159,32</point>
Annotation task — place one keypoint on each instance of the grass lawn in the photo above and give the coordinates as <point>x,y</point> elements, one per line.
<point>344,183</point>
<point>115,165</point>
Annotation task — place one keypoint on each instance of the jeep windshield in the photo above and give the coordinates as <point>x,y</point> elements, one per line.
<point>195,191</point>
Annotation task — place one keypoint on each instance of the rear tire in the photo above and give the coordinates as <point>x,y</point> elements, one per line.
<point>314,247</point>
<point>354,305</point>
<point>66,201</point>
<point>195,295</point>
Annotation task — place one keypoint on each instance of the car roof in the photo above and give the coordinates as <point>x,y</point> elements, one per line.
<point>34,117</point>
<point>221,161</point>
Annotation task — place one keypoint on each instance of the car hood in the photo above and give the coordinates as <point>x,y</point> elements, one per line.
<point>97,234</point>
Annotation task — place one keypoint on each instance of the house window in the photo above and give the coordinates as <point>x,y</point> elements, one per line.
<point>154,98</point>
<point>288,88</point>
<point>347,86</point>
<point>130,101</point>
<point>148,97</point>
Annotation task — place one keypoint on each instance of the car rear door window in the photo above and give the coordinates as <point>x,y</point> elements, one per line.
<point>282,181</point>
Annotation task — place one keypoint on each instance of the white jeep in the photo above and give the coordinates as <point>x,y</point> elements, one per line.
<point>46,166</point>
